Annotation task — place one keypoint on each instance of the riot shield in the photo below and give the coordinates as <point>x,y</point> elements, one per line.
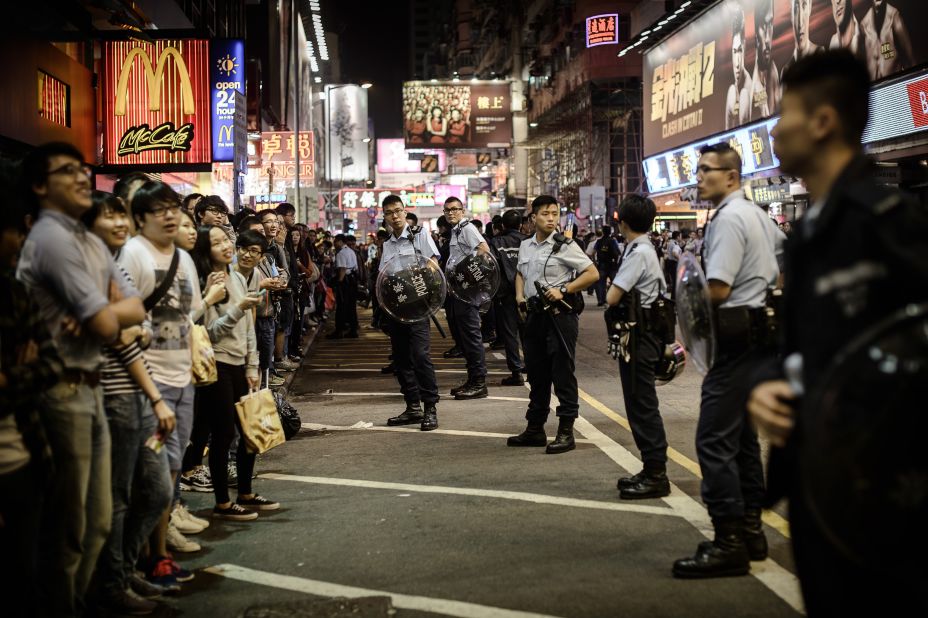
<point>411,288</point>
<point>694,313</point>
<point>862,457</point>
<point>473,279</point>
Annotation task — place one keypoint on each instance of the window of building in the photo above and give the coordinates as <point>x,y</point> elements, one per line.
<point>54,99</point>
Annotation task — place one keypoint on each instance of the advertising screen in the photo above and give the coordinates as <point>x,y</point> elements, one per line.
<point>346,107</point>
<point>457,115</point>
<point>393,158</point>
<point>227,76</point>
<point>724,69</point>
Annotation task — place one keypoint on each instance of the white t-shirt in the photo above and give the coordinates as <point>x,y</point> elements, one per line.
<point>168,356</point>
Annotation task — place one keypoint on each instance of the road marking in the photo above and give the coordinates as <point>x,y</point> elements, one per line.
<point>520,496</point>
<point>493,397</point>
<point>772,519</point>
<point>450,432</point>
<point>322,368</point>
<point>499,356</point>
<point>445,607</point>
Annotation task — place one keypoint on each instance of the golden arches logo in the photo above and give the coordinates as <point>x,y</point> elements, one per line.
<point>225,133</point>
<point>154,79</point>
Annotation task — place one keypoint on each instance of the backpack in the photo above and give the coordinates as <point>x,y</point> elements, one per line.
<point>607,252</point>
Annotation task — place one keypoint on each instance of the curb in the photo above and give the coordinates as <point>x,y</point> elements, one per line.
<point>285,387</point>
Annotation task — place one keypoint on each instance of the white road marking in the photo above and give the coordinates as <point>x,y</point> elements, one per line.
<point>372,394</point>
<point>445,607</point>
<point>413,429</point>
<point>372,370</point>
<point>482,493</point>
<point>499,356</point>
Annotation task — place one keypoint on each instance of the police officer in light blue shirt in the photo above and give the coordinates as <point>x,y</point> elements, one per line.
<point>465,317</point>
<point>346,290</point>
<point>635,288</point>
<point>740,253</point>
<point>411,343</point>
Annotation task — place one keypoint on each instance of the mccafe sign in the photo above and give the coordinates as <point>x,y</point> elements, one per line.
<point>156,102</point>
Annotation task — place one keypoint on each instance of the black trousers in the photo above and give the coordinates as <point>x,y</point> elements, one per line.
<point>469,337</point>
<point>449,316</point>
<point>548,365</point>
<point>217,407</point>
<point>507,329</point>
<point>641,405</point>
<point>346,305</point>
<point>670,275</point>
<point>726,443</point>
<point>412,364</point>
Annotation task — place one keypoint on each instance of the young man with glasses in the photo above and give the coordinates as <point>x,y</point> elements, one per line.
<point>84,300</point>
<point>466,240</point>
<point>740,251</point>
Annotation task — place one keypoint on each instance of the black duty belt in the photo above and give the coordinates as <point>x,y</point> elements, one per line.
<point>739,329</point>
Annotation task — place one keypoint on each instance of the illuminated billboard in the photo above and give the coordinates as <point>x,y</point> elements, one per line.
<point>457,115</point>
<point>394,158</point>
<point>602,30</point>
<point>723,70</point>
<point>227,76</point>
<point>156,102</point>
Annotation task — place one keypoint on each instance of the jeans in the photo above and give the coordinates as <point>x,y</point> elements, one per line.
<point>21,497</point>
<point>265,329</point>
<point>641,405</point>
<point>180,400</point>
<point>549,364</point>
<point>76,521</point>
<point>469,338</point>
<point>141,487</point>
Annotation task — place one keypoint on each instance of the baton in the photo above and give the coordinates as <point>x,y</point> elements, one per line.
<point>441,331</point>
<point>557,329</point>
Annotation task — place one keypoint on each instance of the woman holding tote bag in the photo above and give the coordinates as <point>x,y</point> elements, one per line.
<point>232,333</point>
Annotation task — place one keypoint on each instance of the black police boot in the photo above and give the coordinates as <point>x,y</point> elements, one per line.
<point>515,379</point>
<point>651,484</point>
<point>430,420</point>
<point>460,387</point>
<point>564,440</point>
<point>411,416</point>
<point>726,556</point>
<point>753,534</point>
<point>387,369</point>
<point>476,390</point>
<point>454,352</point>
<point>625,482</point>
<point>534,435</point>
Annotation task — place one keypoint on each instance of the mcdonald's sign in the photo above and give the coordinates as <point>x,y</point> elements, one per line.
<point>156,102</point>
<point>227,76</point>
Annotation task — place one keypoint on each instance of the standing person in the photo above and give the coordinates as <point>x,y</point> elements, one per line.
<point>740,250</point>
<point>210,210</point>
<point>410,342</point>
<point>281,296</point>
<point>84,300</point>
<point>637,285</point>
<point>672,254</point>
<point>167,279</point>
<point>232,333</point>
<point>506,249</point>
<point>444,250</point>
<point>848,238</point>
<point>346,291</point>
<point>466,241</point>
<point>552,261</point>
<point>607,255</point>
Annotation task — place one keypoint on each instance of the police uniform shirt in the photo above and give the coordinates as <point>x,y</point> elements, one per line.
<point>640,270</point>
<point>422,242</point>
<point>740,249</point>
<point>537,262</point>
<point>464,241</point>
<point>346,258</point>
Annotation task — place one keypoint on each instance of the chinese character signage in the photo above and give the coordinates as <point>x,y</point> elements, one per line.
<point>227,76</point>
<point>392,158</point>
<point>156,104</point>
<point>724,69</point>
<point>457,115</point>
<point>279,151</point>
<point>346,115</point>
<point>602,30</point>
<point>371,199</point>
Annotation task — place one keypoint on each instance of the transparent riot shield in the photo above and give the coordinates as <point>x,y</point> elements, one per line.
<point>473,279</point>
<point>694,313</point>
<point>411,288</point>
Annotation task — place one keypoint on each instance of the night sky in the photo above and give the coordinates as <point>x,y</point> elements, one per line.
<point>374,46</point>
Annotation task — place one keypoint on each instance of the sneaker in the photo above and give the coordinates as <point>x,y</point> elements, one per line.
<point>180,573</point>
<point>162,574</point>
<point>198,480</point>
<point>234,513</point>
<point>146,589</point>
<point>182,524</point>
<point>258,503</point>
<point>127,603</point>
<point>178,542</point>
<point>276,382</point>
<point>233,475</point>
<point>185,514</point>
<point>286,365</point>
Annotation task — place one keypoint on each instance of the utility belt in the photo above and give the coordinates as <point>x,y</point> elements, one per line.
<point>739,329</point>
<point>540,304</point>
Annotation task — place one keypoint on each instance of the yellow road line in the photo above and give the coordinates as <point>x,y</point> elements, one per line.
<point>772,519</point>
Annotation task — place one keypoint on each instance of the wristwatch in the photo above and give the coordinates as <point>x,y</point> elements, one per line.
<point>563,289</point>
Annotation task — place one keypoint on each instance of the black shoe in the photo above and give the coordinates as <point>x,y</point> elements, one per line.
<point>564,440</point>
<point>410,416</point>
<point>627,481</point>
<point>477,390</point>
<point>650,485</point>
<point>128,603</point>
<point>534,435</point>
<point>387,369</point>
<point>460,387</point>
<point>454,352</point>
<point>335,335</point>
<point>144,588</point>
<point>515,379</point>
<point>753,534</point>
<point>430,418</point>
<point>726,556</point>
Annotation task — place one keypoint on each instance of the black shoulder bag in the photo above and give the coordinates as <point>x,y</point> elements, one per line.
<point>155,297</point>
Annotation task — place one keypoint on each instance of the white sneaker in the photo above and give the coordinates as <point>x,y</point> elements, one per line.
<point>182,524</point>
<point>178,542</point>
<point>183,514</point>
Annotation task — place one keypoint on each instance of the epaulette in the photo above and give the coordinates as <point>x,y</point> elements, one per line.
<point>415,229</point>
<point>464,223</point>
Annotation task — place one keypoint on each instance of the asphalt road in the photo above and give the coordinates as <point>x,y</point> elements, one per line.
<point>454,523</point>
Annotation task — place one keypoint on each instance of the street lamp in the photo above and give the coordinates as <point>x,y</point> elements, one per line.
<point>366,85</point>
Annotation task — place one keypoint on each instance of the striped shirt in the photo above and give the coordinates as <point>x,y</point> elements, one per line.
<point>114,375</point>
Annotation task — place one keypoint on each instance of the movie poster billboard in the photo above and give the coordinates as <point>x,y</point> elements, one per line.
<point>723,70</point>
<point>347,153</point>
<point>457,115</point>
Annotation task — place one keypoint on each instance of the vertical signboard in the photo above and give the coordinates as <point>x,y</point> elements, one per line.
<point>346,121</point>
<point>602,30</point>
<point>156,104</point>
<point>227,76</point>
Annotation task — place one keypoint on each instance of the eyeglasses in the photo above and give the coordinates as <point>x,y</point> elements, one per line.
<point>161,211</point>
<point>392,213</point>
<point>705,169</point>
<point>453,209</point>
<point>251,252</point>
<point>73,169</point>
<point>216,210</point>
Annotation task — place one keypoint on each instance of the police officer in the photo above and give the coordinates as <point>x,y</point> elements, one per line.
<point>346,290</point>
<point>410,342</point>
<point>505,246</point>
<point>549,261</point>
<point>635,288</point>
<point>465,240</point>
<point>741,265</point>
<point>855,257</point>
